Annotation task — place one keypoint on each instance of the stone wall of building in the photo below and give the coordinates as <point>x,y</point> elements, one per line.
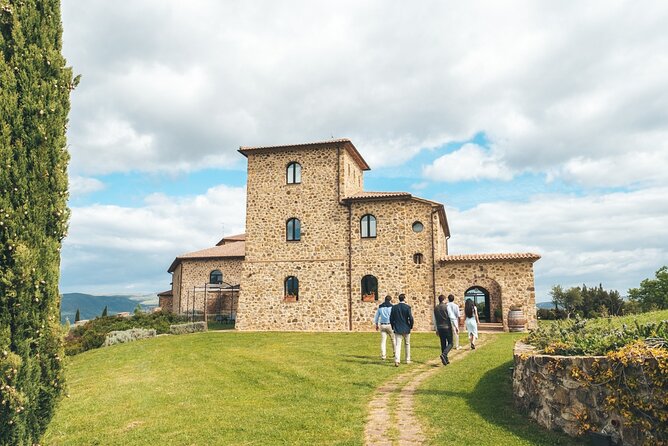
<point>176,289</point>
<point>544,387</point>
<point>321,305</point>
<point>193,275</point>
<point>318,260</point>
<point>390,258</point>
<point>165,303</point>
<point>351,178</point>
<point>509,283</point>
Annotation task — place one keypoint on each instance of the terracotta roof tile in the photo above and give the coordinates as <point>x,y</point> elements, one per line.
<point>491,257</point>
<point>363,195</point>
<point>232,238</point>
<point>237,249</point>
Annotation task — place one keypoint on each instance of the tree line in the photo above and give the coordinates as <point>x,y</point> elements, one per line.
<point>652,294</point>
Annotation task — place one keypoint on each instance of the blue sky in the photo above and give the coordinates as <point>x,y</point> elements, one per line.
<point>542,127</point>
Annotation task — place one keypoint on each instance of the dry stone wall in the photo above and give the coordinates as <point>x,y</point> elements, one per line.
<point>545,388</point>
<point>509,283</point>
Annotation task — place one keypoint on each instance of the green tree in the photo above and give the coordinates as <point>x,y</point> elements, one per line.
<point>104,312</point>
<point>652,293</point>
<point>35,87</point>
<point>77,316</point>
<point>568,300</point>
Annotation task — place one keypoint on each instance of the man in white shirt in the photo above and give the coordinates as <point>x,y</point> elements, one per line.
<point>453,314</point>
<point>382,321</point>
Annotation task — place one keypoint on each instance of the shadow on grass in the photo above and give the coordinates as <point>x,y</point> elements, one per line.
<point>492,399</point>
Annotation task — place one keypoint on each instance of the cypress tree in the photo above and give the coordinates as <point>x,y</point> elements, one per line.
<point>104,312</point>
<point>77,316</point>
<point>35,85</point>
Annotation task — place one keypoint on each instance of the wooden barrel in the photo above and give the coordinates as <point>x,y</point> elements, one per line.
<point>516,320</point>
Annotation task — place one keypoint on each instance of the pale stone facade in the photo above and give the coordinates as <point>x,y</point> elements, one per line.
<point>331,256</point>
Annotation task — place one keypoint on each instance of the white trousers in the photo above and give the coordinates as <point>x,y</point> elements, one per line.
<point>398,338</point>
<point>385,331</point>
<point>455,332</point>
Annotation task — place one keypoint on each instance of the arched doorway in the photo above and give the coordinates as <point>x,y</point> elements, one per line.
<point>480,297</point>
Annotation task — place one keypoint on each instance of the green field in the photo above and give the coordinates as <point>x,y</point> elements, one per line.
<point>223,388</point>
<point>470,402</point>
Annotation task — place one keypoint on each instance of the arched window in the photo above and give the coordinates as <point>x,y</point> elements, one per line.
<point>418,258</point>
<point>216,276</point>
<point>294,173</point>
<point>293,230</point>
<point>368,226</point>
<point>291,288</point>
<point>369,287</point>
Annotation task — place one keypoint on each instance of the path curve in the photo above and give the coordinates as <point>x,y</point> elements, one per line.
<point>384,426</point>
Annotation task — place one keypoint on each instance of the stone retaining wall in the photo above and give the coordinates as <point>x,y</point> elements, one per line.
<point>545,387</point>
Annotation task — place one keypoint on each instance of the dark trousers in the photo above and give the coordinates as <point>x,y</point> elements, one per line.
<point>446,340</point>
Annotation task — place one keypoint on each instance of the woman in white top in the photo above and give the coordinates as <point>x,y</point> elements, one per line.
<point>472,321</point>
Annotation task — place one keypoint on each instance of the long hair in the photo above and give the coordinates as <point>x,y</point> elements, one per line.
<point>468,308</point>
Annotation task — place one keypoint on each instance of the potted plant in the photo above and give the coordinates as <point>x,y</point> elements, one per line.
<point>290,298</point>
<point>370,297</point>
<point>498,315</point>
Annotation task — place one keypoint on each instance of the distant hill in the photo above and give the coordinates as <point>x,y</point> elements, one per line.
<point>91,306</point>
<point>545,305</point>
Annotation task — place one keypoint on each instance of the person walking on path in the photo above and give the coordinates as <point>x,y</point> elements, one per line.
<point>472,321</point>
<point>453,314</point>
<point>382,321</point>
<point>443,328</point>
<point>401,319</point>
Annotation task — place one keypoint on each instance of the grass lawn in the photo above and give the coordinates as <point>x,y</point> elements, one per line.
<point>226,388</point>
<point>470,402</point>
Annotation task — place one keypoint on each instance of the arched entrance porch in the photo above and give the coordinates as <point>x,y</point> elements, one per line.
<point>480,297</point>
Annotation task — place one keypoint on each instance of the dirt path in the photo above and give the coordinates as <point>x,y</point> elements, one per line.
<point>391,420</point>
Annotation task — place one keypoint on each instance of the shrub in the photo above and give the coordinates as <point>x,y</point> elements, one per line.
<point>133,334</point>
<point>191,327</point>
<point>582,337</point>
<point>92,334</point>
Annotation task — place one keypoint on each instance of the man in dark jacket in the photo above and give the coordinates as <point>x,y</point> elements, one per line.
<point>443,328</point>
<point>401,320</point>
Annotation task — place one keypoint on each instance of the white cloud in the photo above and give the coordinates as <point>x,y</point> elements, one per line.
<point>617,239</point>
<point>83,185</point>
<point>116,249</point>
<point>643,168</point>
<point>469,162</point>
<point>548,83</point>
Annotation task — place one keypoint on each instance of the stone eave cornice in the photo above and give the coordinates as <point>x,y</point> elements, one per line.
<point>340,142</point>
<point>500,257</point>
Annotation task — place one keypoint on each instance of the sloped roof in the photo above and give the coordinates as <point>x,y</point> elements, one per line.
<point>491,257</point>
<point>232,238</point>
<point>347,144</point>
<point>228,250</point>
<point>371,195</point>
<point>167,293</point>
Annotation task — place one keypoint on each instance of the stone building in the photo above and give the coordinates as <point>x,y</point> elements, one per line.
<point>320,252</point>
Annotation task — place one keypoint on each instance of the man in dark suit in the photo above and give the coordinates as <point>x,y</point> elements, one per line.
<point>401,319</point>
<point>443,328</point>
